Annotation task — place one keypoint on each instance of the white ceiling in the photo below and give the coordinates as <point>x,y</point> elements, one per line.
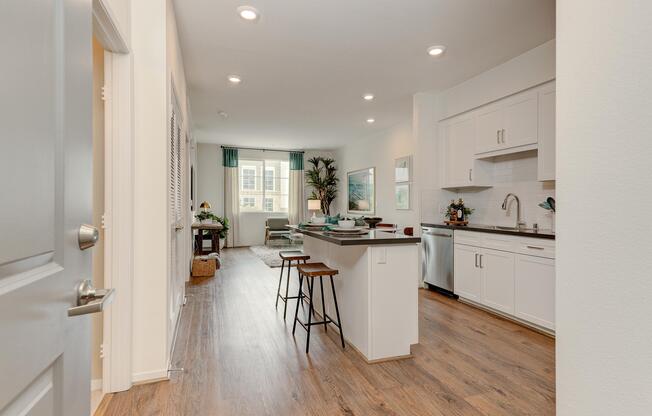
<point>306,63</point>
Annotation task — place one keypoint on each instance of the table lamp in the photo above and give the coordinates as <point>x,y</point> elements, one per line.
<point>314,205</point>
<point>205,206</point>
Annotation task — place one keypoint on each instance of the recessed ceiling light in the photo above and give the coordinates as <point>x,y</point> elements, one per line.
<point>248,13</point>
<point>371,120</point>
<point>234,79</point>
<point>368,97</point>
<point>436,50</point>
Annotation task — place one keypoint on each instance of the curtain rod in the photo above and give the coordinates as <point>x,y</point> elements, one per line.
<point>262,149</point>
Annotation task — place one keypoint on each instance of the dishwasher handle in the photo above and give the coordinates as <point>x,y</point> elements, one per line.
<point>440,235</point>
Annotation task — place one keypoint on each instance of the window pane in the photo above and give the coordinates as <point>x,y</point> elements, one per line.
<point>264,185</point>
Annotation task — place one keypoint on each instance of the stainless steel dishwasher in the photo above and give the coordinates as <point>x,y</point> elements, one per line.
<point>437,258</point>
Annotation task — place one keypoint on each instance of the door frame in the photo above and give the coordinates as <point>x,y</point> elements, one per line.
<point>119,198</point>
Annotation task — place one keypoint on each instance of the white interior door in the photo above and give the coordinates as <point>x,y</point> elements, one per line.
<point>45,166</point>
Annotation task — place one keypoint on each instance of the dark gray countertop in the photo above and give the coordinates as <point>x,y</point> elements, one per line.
<point>374,237</point>
<point>547,234</point>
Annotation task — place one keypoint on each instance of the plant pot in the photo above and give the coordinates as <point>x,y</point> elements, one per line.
<point>207,221</point>
<point>222,243</point>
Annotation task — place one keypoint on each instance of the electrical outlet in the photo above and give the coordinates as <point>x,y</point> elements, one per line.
<point>381,255</point>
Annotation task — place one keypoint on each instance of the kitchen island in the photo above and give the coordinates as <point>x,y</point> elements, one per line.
<point>377,289</point>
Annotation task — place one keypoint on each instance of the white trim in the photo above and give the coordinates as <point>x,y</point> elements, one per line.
<point>96,384</point>
<point>106,30</point>
<point>150,376</point>
<point>119,206</point>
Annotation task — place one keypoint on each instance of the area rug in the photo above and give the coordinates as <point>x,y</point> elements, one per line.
<point>269,255</point>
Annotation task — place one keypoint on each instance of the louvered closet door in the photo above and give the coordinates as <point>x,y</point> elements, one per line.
<point>178,268</point>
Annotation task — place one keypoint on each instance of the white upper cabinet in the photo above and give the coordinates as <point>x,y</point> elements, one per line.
<point>489,128</point>
<point>519,123</point>
<point>460,167</point>
<point>460,143</point>
<point>508,123</point>
<point>521,115</point>
<point>547,115</point>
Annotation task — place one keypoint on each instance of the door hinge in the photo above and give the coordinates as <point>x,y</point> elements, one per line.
<point>105,221</point>
<point>102,353</point>
<point>104,93</point>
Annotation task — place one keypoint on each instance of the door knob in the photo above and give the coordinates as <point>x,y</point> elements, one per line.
<point>90,300</point>
<point>87,236</point>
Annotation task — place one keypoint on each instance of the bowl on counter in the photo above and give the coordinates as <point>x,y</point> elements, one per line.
<point>372,221</point>
<point>346,223</point>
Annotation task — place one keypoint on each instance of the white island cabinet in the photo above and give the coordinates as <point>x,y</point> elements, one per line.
<point>377,290</point>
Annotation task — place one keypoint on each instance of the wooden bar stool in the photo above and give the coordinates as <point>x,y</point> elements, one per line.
<point>289,256</point>
<point>310,271</point>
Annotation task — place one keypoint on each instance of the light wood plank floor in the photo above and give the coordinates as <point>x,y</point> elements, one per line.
<point>240,359</point>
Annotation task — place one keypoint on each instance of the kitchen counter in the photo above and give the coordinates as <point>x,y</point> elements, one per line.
<point>547,234</point>
<point>377,289</point>
<point>375,236</point>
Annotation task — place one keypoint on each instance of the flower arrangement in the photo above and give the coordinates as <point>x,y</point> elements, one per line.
<point>457,211</point>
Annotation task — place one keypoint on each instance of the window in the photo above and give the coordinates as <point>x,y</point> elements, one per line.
<point>248,178</point>
<point>247,202</point>
<point>264,185</point>
<point>269,178</point>
<point>269,204</point>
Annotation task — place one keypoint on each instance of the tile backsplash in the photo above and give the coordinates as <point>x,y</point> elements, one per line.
<point>516,174</point>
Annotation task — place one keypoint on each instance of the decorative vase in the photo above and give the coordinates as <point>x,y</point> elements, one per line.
<point>207,221</point>
<point>222,243</point>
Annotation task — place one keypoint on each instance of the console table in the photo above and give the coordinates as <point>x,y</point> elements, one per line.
<point>214,230</point>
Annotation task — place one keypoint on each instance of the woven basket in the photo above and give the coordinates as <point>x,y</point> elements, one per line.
<point>203,267</point>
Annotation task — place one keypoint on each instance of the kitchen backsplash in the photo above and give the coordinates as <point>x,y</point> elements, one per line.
<point>517,175</point>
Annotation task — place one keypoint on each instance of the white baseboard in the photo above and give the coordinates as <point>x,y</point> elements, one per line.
<point>96,384</point>
<point>150,376</point>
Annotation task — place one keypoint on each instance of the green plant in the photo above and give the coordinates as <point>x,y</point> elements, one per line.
<point>323,179</point>
<point>225,226</point>
<point>208,215</point>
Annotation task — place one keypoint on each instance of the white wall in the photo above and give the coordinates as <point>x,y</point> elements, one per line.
<point>380,150</point>
<point>157,63</point>
<point>512,174</point>
<point>604,171</point>
<point>150,188</point>
<point>210,177</point>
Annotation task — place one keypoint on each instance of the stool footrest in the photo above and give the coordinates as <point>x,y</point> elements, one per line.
<point>284,298</point>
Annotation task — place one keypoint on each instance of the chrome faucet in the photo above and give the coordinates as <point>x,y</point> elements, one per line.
<point>519,223</point>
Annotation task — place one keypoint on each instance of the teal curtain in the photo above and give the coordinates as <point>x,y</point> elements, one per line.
<point>296,160</point>
<point>230,157</point>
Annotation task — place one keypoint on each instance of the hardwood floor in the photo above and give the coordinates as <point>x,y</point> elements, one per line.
<point>240,358</point>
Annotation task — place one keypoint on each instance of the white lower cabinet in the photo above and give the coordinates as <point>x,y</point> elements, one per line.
<point>505,280</point>
<point>535,290</point>
<point>466,263</point>
<point>498,280</point>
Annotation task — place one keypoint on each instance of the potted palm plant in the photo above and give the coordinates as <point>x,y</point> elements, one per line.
<point>322,177</point>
